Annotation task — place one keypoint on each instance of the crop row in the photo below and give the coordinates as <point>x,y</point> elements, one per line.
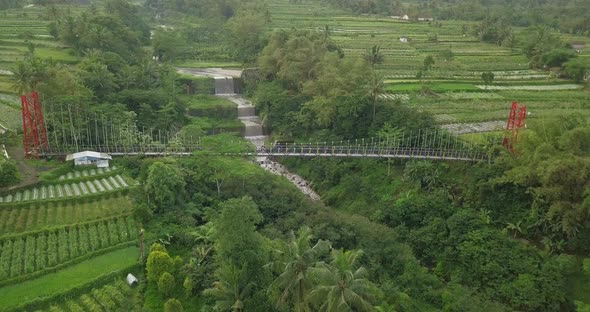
<point>50,214</point>
<point>27,254</point>
<point>394,97</point>
<point>534,88</point>
<point>86,173</point>
<point>67,190</point>
<point>111,297</point>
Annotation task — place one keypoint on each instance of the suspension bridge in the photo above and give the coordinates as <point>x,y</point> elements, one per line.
<point>431,144</point>
<point>66,132</point>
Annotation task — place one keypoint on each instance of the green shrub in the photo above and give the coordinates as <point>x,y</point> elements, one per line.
<point>166,284</point>
<point>158,262</point>
<point>8,172</point>
<point>173,305</point>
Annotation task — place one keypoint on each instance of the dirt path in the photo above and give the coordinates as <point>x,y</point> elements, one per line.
<point>253,127</point>
<point>29,174</point>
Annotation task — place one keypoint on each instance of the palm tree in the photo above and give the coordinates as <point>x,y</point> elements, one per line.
<point>373,56</point>
<point>342,285</point>
<point>299,257</point>
<point>22,77</point>
<point>326,33</point>
<point>515,229</point>
<point>375,87</point>
<point>230,290</point>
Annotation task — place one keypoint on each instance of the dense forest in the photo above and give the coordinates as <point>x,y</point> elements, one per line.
<point>223,235</point>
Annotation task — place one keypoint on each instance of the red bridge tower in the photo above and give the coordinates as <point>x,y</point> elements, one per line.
<point>34,132</point>
<point>515,123</point>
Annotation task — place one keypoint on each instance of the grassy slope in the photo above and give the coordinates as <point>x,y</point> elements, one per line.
<point>10,115</point>
<point>437,87</point>
<point>207,101</point>
<point>207,64</point>
<point>70,277</point>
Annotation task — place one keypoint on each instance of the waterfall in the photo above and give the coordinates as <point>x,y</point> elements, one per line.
<point>224,85</point>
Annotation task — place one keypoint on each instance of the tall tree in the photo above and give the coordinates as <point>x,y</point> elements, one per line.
<point>373,56</point>
<point>297,257</point>
<point>231,289</point>
<point>164,186</point>
<point>375,88</point>
<point>236,240</point>
<point>343,284</point>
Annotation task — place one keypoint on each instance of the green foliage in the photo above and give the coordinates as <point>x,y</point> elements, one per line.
<point>166,284</point>
<point>121,30</point>
<point>76,279</point>
<point>245,34</point>
<point>242,245</point>
<point>28,74</point>
<point>164,186</point>
<point>231,289</point>
<point>295,260</point>
<point>426,173</point>
<point>493,30</point>
<point>158,262</point>
<point>169,45</point>
<point>173,305</point>
<point>343,285</point>
<point>576,70</point>
<point>157,247</point>
<point>558,181</point>
<point>8,172</point>
<point>373,55</point>
<point>544,48</point>
<point>188,286</point>
<point>487,78</point>
<point>557,57</point>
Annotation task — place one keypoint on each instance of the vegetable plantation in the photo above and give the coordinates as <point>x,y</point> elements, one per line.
<point>86,173</point>
<point>91,272</point>
<point>113,296</point>
<point>53,229</point>
<point>453,86</point>
<point>38,252</point>
<point>90,187</point>
<point>48,214</point>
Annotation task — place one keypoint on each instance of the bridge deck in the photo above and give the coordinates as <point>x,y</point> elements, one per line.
<point>321,151</point>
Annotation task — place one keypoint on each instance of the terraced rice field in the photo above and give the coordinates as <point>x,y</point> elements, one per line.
<point>86,173</point>
<point>68,190</point>
<point>46,215</point>
<point>68,278</point>
<point>114,297</point>
<point>10,114</point>
<point>459,93</point>
<point>534,88</point>
<point>355,34</point>
<point>56,237</point>
<point>33,253</point>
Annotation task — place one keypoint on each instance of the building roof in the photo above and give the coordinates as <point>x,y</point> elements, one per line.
<point>88,154</point>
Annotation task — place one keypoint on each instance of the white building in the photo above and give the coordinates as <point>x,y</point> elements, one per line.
<point>403,39</point>
<point>87,158</point>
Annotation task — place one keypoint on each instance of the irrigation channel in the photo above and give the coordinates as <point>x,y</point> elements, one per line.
<point>226,87</point>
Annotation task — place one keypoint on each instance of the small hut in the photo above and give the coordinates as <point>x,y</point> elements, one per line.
<point>131,280</point>
<point>88,158</point>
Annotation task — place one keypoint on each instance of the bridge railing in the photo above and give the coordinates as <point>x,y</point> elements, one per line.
<point>352,151</point>
<point>119,149</point>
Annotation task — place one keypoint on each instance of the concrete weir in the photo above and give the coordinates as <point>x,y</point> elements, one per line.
<point>253,129</point>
